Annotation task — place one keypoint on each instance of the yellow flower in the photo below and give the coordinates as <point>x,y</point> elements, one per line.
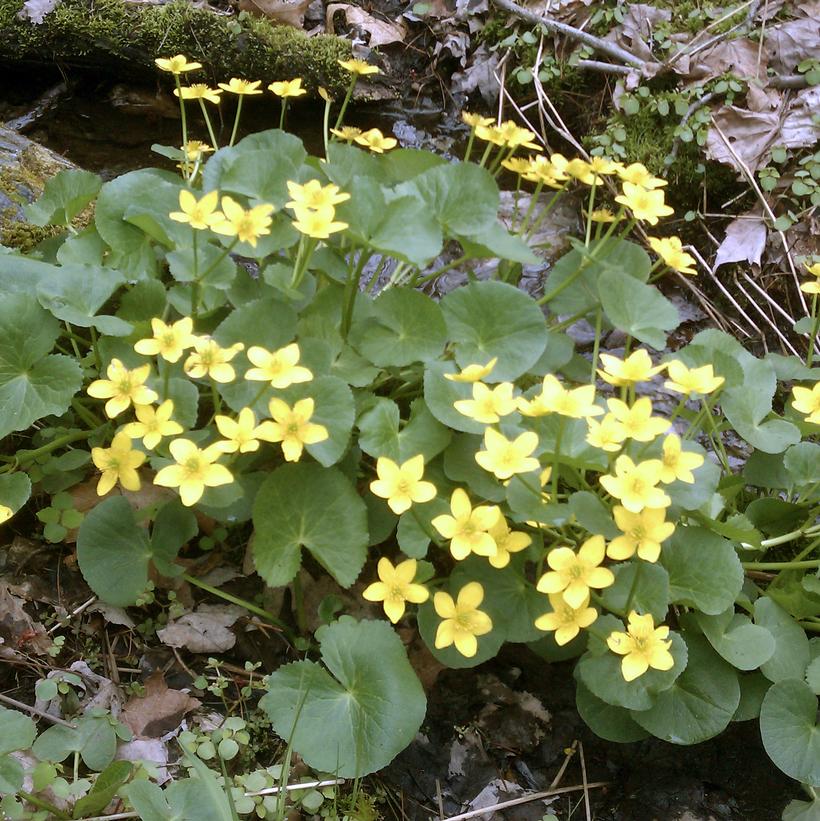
<point>603,165</point>
<point>514,136</point>
<point>518,165</point>
<point>642,646</point>
<point>807,400</point>
<point>691,380</point>
<point>637,174</point>
<point>468,527</point>
<point>153,423</point>
<point>608,434</point>
<point>642,532</point>
<point>314,195</point>
<point>488,405</point>
<point>475,120</point>
<point>636,485</point>
<point>199,91</point>
<point>646,206</point>
<point>565,620</point>
<point>292,427</point>
<point>347,133</point>
<point>582,171</point>
<point>317,224</point>
<point>122,388</point>
<point>637,421</point>
<point>240,433</point>
<point>637,367</point>
<point>176,65</point>
<point>118,463</point>
<point>506,542</point>
<point>541,170</point>
<point>401,484</point>
<point>239,86</point>
<point>5,513</point>
<point>200,214</point>
<point>168,341</point>
<point>374,140</point>
<point>490,133</point>
<point>577,403</point>
<point>395,587</point>
<point>279,368</point>
<point>504,457</point>
<point>559,165</point>
<point>194,149</point>
<point>472,373</point>
<point>287,88</point>
<point>574,573</point>
<point>678,463</point>
<point>463,621</point>
<point>359,67</point>
<point>603,215</point>
<point>209,359</point>
<point>670,250</point>
<point>247,226</point>
<point>812,287</point>
<point>194,471</point>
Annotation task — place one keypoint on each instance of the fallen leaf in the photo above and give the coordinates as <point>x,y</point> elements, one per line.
<point>159,711</point>
<point>801,127</point>
<point>738,57</point>
<point>381,32</point>
<point>282,12</point>
<point>745,240</point>
<point>36,10</point>
<point>788,44</point>
<point>636,32</point>
<point>205,630</point>
<point>750,133</point>
<point>479,75</point>
<point>17,629</point>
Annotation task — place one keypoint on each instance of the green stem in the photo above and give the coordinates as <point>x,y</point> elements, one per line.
<point>597,344</point>
<point>86,415</point>
<point>351,289</point>
<point>326,125</point>
<point>307,245</point>
<point>216,399</point>
<point>544,212</point>
<point>42,804</point>
<point>814,328</point>
<point>486,154</point>
<point>259,395</point>
<point>530,209</point>
<point>590,205</point>
<point>166,376</point>
<point>469,145</point>
<point>73,341</point>
<point>444,268</point>
<point>633,589</point>
<point>715,435</point>
<point>184,125</point>
<point>211,133</point>
<point>95,349</point>
<point>345,102</point>
<point>809,564</point>
<point>282,113</point>
<point>556,460</point>
<point>67,439</point>
<point>225,252</point>
<point>236,118</point>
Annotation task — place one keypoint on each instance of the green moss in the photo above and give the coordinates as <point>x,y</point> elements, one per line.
<point>134,35</point>
<point>23,236</point>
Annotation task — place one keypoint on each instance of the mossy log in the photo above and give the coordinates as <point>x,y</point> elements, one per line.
<point>125,38</point>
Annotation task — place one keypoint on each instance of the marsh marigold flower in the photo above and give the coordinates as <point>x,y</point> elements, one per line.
<point>153,424</point>
<point>473,373</point>
<point>807,401</point>
<point>238,86</point>
<point>317,224</point>
<point>287,88</point>
<point>646,206</point>
<point>576,403</point>
<point>292,427</point>
<point>200,214</point>
<point>169,341</point>
<point>691,380</point>
<point>572,574</point>
<point>475,120</point>
<point>402,484</point>
<point>637,367</point>
<point>642,646</point>
<point>279,367</point>
<point>375,141</point>
<point>5,513</point>
<point>670,250</point>
<point>812,287</point>
<point>642,533</point>
<point>468,527</point>
<point>177,64</point>
<point>463,621</point>
<point>359,67</point>
<point>637,420</point>
<point>504,457</point>
<point>507,542</point>
<point>347,133</point>
<point>211,360</point>
<point>241,434</point>
<point>488,405</point>
<point>194,149</point>
<point>678,464</point>
<point>314,195</point>
<point>565,620</point>
<point>246,225</point>
<point>118,463</point>
<point>123,388</point>
<point>637,174</point>
<point>607,434</point>
<point>194,470</point>
<point>636,485</point>
<point>199,91</point>
<point>395,587</point>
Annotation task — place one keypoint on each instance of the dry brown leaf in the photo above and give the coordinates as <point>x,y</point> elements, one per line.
<point>281,12</point>
<point>750,133</point>
<point>17,630</point>
<point>788,44</point>
<point>745,240</point>
<point>636,32</point>
<point>801,127</point>
<point>739,57</point>
<point>381,32</point>
<point>204,631</point>
<point>159,711</point>
<point>760,98</point>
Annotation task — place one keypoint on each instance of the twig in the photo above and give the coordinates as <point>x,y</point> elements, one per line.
<point>610,49</point>
<point>526,799</point>
<point>562,769</point>
<point>12,702</point>
<point>767,319</point>
<point>307,785</point>
<point>695,106</point>
<point>63,622</point>
<point>587,807</point>
<point>606,68</point>
<point>789,81</point>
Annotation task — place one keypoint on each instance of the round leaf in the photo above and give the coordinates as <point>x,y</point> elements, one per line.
<point>791,654</point>
<point>440,393</point>
<point>355,714</point>
<point>15,489</point>
<point>743,644</point>
<point>649,592</point>
<point>605,720</point>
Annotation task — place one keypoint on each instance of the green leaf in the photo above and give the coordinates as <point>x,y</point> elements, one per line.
<point>605,720</point>
<point>700,704</point>
<point>267,322</point>
<point>19,731</point>
<point>788,726</point>
<point>415,530</point>
<point>355,714</point>
<point>813,675</point>
<point>305,505</point>
<point>15,490</point>
<point>648,592</point>
<point>440,393</point>
<point>219,269</point>
<point>114,552</point>
<point>637,309</point>
<point>33,384</point>
<point>406,326</point>
<point>593,515</point>
<point>493,319</point>
<point>791,653</point>
<point>145,300</point>
<point>704,570</point>
<point>802,462</point>
<point>106,785</point>
<point>63,197</point>
<point>12,775</point>
<point>93,738</point>
<point>174,525</point>
<point>753,686</point>
<point>802,810</point>
<point>496,241</point>
<point>743,644</point>
<point>460,467</point>
<point>599,669</point>
<point>381,432</point>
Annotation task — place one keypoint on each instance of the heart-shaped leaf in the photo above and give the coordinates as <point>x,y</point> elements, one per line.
<point>743,644</point>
